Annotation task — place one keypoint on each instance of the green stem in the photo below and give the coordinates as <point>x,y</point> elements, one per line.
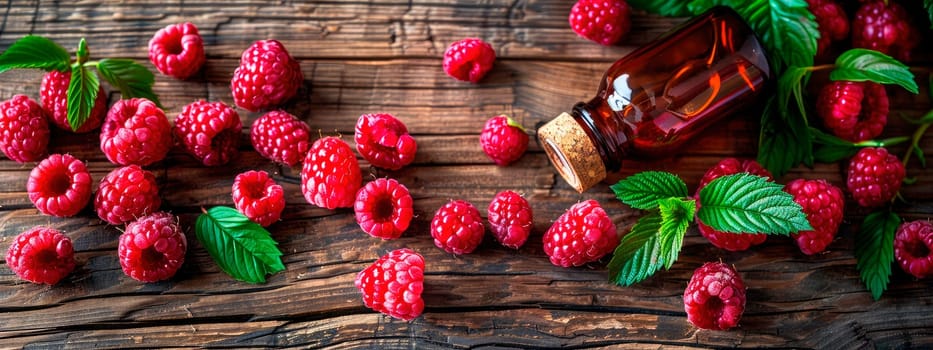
<point>821,67</point>
<point>885,142</point>
<point>915,142</point>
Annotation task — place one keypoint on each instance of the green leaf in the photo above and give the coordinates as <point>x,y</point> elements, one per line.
<point>82,92</point>
<point>870,65</point>
<point>874,250</point>
<point>643,190</point>
<point>638,255</point>
<point>831,149</point>
<point>789,85</point>
<point>783,142</point>
<point>676,216</point>
<point>663,8</point>
<point>242,248</point>
<point>745,203</point>
<point>131,78</point>
<point>928,4</point>
<point>35,52</point>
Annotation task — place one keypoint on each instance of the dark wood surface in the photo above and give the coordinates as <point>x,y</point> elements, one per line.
<point>364,57</point>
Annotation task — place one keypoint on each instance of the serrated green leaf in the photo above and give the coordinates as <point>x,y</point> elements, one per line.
<point>870,65</point>
<point>82,92</point>
<point>34,51</point>
<point>131,78</point>
<point>663,8</point>
<point>745,203</point>
<point>638,255</point>
<point>644,189</point>
<point>784,142</point>
<point>874,250</point>
<point>242,248</point>
<point>676,216</point>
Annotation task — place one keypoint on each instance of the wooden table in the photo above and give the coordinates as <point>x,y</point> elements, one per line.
<point>363,57</point>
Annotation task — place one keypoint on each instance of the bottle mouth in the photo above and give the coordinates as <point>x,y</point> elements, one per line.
<point>572,152</point>
<point>561,163</point>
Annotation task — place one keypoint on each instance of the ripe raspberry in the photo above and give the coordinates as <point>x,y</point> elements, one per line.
<point>715,297</point>
<point>125,194</point>
<point>469,59</point>
<point>724,240</point>
<point>384,141</point>
<point>266,77</point>
<point>136,132</point>
<point>832,22</point>
<point>24,131</point>
<point>504,140</point>
<point>581,235</point>
<point>912,246</point>
<point>280,137</point>
<point>393,284</point>
<point>41,255</point>
<point>210,131</point>
<point>602,21</point>
<point>330,176</point>
<point>152,248</point>
<point>885,28</point>
<point>457,227</point>
<point>177,50</point>
<point>874,176</point>
<point>854,111</point>
<point>823,203</point>
<point>59,186</point>
<point>510,219</point>
<point>53,92</point>
<point>257,196</point>
<point>383,208</point>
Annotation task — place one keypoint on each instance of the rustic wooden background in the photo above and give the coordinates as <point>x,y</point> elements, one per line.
<point>363,57</point>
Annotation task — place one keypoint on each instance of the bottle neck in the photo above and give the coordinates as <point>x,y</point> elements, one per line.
<point>610,134</point>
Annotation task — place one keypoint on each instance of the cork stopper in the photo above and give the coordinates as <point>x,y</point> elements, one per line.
<point>572,152</point>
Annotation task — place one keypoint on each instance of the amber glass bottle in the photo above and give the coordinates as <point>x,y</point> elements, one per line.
<point>653,100</point>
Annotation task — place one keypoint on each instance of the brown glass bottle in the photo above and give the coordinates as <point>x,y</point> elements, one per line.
<point>653,100</point>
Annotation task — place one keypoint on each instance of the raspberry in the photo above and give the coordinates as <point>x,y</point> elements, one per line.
<point>581,235</point>
<point>874,176</point>
<point>823,203</point>
<point>457,227</point>
<point>266,77</point>
<point>715,297</point>
<point>41,255</point>
<point>854,111</point>
<point>383,208</point>
<point>177,50</point>
<point>510,219</point>
<point>912,245</point>
<point>210,131</point>
<point>257,196</point>
<point>885,28</point>
<point>393,284</point>
<point>152,248</point>
<point>724,240</point>
<point>24,131</point>
<point>53,92</point>
<point>469,59</point>
<point>136,132</point>
<point>602,21</point>
<point>832,22</point>
<point>59,186</point>
<point>125,194</point>
<point>330,176</point>
<point>503,140</point>
<point>384,141</point>
<point>280,137</point>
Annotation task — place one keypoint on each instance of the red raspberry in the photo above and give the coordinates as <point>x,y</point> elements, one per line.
<point>280,137</point>
<point>724,240</point>
<point>24,131</point>
<point>510,219</point>
<point>177,50</point>
<point>266,77</point>
<point>41,255</point>
<point>125,194</point>
<point>823,203</point>
<point>330,176</point>
<point>53,92</point>
<point>136,132</point>
<point>59,186</point>
<point>602,21</point>
<point>715,297</point>
<point>912,245</point>
<point>393,284</point>
<point>581,235</point>
<point>457,227</point>
<point>384,141</point>
<point>885,28</point>
<point>504,140</point>
<point>469,59</point>
<point>383,208</point>
<point>152,248</point>
<point>210,131</point>
<point>874,176</point>
<point>832,22</point>
<point>854,111</point>
<point>257,196</point>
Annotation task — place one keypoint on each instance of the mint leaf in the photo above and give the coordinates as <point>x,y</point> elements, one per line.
<point>131,78</point>
<point>638,255</point>
<point>82,92</point>
<point>745,203</point>
<point>870,65</point>
<point>663,8</point>
<point>874,250</point>
<point>676,216</point>
<point>35,52</point>
<point>242,248</point>
<point>784,142</point>
<point>643,190</point>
